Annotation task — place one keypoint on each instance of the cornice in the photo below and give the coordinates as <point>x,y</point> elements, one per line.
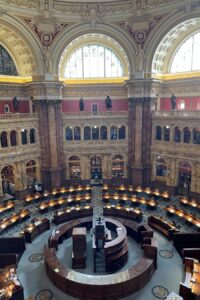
<point>99,11</point>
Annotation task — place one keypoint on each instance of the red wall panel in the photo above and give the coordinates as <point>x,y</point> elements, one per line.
<point>73,105</point>
<point>23,106</point>
<point>191,103</point>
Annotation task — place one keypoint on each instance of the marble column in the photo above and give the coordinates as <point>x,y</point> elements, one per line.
<point>47,100</point>
<point>141,94</point>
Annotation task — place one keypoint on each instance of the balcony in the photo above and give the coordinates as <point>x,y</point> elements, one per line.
<point>177,114</point>
<point>98,115</point>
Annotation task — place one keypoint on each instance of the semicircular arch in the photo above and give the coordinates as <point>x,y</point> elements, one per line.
<point>113,32</point>
<point>94,39</point>
<point>162,43</point>
<point>21,45</point>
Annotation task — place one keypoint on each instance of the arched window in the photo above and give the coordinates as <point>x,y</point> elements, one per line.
<point>7,66</point>
<point>69,134</point>
<point>13,138</point>
<point>166,131</point>
<point>93,61</point>
<point>186,135</point>
<point>196,136</point>
<point>177,135</point>
<point>103,133</point>
<point>186,57</point>
<point>24,133</point>
<point>4,139</point>
<point>6,108</point>
<point>161,167</point>
<point>118,166</point>
<point>87,133</point>
<point>181,104</point>
<point>95,133</point>
<point>122,132</point>
<point>158,133</point>
<point>77,133</point>
<point>74,167</point>
<point>113,133</point>
<point>32,136</point>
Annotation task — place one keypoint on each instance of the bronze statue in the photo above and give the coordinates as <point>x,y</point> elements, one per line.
<point>15,103</point>
<point>81,104</point>
<point>173,101</point>
<point>108,102</point>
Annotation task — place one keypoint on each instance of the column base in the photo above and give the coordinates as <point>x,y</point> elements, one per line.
<point>53,178</point>
<point>162,186</point>
<point>21,194</point>
<point>194,195</point>
<point>140,176</point>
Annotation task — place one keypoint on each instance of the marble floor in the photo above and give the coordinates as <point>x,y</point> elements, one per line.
<point>34,279</point>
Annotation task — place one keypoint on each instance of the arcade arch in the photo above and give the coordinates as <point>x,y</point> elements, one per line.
<point>167,44</point>
<point>95,48</point>
<point>8,179</point>
<point>108,32</point>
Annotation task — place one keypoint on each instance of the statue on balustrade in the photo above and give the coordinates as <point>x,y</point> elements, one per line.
<point>108,102</point>
<point>173,101</point>
<point>81,104</point>
<point>15,104</point>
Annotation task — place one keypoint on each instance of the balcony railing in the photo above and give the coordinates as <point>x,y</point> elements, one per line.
<point>106,114</point>
<point>177,114</point>
<point>18,116</point>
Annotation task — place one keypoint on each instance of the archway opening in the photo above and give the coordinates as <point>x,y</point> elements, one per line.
<point>184,180</point>
<point>7,177</point>
<point>96,167</point>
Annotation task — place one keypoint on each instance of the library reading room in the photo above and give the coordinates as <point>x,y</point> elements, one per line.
<point>100,150</point>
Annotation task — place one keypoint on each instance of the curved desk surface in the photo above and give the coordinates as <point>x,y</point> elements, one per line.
<point>96,287</point>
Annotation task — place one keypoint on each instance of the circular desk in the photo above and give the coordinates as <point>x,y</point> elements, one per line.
<point>95,287</point>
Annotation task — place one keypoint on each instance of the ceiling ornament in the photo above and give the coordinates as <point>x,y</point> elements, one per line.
<point>92,13</point>
<point>46,26</point>
<point>140,26</point>
<point>24,3</point>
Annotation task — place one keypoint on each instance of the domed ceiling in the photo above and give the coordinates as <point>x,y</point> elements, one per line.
<point>93,1</point>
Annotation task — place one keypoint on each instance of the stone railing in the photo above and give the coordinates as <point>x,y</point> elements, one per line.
<point>106,114</point>
<point>18,116</point>
<point>176,114</point>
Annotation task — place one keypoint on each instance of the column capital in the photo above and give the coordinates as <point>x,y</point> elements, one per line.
<point>45,90</point>
<point>143,88</point>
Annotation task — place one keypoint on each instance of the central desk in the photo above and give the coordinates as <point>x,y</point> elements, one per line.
<point>95,287</point>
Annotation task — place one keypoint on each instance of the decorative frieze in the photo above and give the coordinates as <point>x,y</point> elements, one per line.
<point>93,91</point>
<point>143,88</point>
<point>181,87</point>
<point>46,90</point>
<point>24,3</point>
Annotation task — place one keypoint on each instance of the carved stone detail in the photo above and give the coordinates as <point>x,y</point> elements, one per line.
<point>140,26</point>
<point>24,3</point>
<point>46,27</point>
